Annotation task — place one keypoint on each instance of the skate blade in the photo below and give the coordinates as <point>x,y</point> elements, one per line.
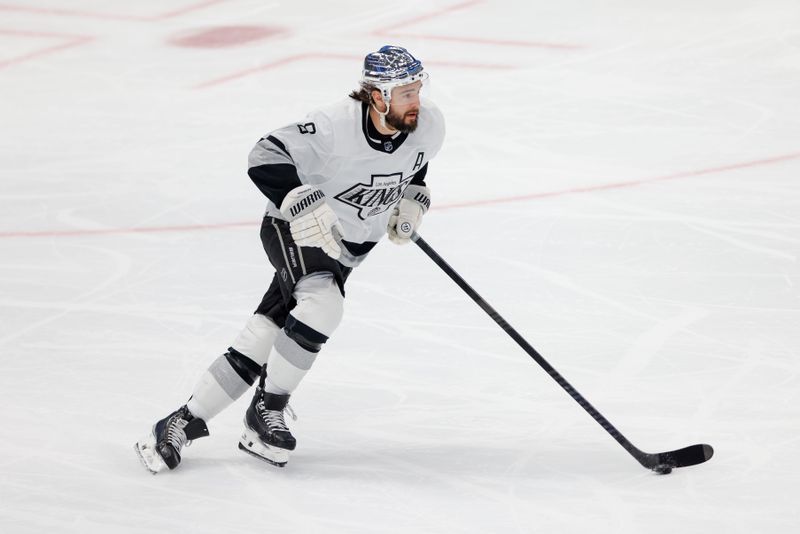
<point>252,445</point>
<point>146,451</point>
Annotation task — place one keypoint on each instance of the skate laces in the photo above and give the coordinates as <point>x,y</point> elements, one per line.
<point>175,434</point>
<point>274,418</point>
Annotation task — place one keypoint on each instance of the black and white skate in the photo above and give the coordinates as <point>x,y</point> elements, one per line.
<point>161,448</point>
<point>265,434</point>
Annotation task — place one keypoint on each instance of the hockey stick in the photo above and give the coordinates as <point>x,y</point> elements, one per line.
<point>662,462</point>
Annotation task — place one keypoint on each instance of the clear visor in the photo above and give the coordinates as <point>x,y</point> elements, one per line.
<point>386,86</point>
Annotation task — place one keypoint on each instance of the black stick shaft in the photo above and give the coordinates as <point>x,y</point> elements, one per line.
<point>597,416</point>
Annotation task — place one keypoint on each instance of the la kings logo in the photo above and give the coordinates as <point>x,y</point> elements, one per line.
<point>376,197</point>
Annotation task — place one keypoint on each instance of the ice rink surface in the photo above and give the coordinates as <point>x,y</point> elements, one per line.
<point>620,179</point>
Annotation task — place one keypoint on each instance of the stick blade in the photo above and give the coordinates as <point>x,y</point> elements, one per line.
<point>691,455</point>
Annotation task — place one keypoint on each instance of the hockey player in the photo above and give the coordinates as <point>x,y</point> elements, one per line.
<point>336,183</point>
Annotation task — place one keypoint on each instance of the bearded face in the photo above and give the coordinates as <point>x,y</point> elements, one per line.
<point>403,106</point>
<point>405,122</point>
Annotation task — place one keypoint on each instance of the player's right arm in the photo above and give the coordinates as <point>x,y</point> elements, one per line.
<point>272,169</point>
<point>285,158</point>
<point>276,165</point>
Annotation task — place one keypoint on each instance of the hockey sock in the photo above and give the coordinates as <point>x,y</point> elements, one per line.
<point>288,365</point>
<point>232,374</point>
<point>221,384</point>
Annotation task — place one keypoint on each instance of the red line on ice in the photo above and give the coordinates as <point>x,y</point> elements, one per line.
<point>187,9</point>
<point>134,230</point>
<point>316,55</point>
<point>482,41</point>
<point>69,42</point>
<point>389,31</point>
<point>107,16</point>
<point>487,202</point>
<point>631,183</point>
<point>427,16</point>
<point>267,66</point>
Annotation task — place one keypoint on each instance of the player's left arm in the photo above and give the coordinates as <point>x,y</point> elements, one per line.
<point>406,217</point>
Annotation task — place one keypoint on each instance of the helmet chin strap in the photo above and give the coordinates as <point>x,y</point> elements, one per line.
<point>382,114</point>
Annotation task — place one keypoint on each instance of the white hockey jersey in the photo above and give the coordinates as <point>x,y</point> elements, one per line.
<point>362,173</point>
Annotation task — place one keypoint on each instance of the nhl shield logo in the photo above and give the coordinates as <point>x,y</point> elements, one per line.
<point>388,146</point>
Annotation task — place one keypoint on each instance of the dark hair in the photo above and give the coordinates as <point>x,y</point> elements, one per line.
<point>363,94</point>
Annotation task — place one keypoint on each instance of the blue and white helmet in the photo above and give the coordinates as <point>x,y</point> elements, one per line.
<point>390,67</point>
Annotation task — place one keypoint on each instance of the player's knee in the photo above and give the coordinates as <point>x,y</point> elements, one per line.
<point>244,367</point>
<point>256,338</point>
<point>319,310</point>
